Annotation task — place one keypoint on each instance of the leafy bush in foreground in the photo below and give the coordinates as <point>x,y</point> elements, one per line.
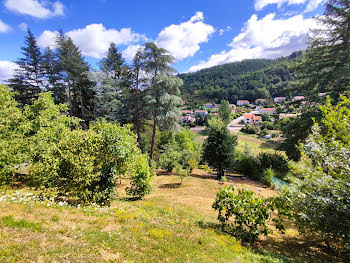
<point>84,164</point>
<point>242,213</point>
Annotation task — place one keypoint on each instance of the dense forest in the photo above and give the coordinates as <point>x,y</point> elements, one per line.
<point>249,79</point>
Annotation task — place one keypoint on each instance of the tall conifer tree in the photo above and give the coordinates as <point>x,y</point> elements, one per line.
<point>75,77</point>
<point>28,79</point>
<point>327,64</point>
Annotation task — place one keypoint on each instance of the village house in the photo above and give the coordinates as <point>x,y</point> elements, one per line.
<point>208,105</point>
<point>250,118</point>
<point>279,99</point>
<point>201,112</point>
<point>242,102</point>
<point>187,112</point>
<point>267,111</point>
<point>298,98</point>
<point>187,119</point>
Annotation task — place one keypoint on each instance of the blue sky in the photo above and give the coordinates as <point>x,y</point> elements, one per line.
<point>198,34</point>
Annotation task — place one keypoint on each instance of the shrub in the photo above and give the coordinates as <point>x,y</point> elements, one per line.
<point>267,125</point>
<point>275,161</point>
<point>248,165</point>
<point>242,213</point>
<point>250,129</point>
<point>84,164</point>
<point>266,177</point>
<point>141,178</point>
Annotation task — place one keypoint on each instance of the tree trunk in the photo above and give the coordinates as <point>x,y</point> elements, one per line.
<point>153,138</point>
<point>137,109</point>
<point>220,174</point>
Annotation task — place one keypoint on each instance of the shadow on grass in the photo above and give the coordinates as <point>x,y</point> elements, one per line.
<point>269,145</point>
<point>170,186</point>
<point>203,133</point>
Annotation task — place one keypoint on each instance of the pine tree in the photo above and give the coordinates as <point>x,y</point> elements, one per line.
<point>163,94</point>
<point>75,77</point>
<point>327,64</point>
<point>111,82</point>
<point>53,76</point>
<point>28,79</point>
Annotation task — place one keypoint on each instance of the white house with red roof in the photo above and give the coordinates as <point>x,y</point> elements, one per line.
<point>252,119</point>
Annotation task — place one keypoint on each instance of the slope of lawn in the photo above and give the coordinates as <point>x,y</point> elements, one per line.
<point>173,224</point>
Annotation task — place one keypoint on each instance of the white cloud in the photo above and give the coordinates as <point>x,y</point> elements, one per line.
<point>6,70</point>
<point>94,39</point>
<point>47,39</point>
<point>130,52</point>
<point>36,8</point>
<point>183,40</point>
<point>222,31</point>
<point>4,28</point>
<point>23,26</point>
<point>311,4</point>
<point>264,38</point>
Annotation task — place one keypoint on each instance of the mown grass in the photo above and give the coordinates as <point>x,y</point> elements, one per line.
<point>170,225</point>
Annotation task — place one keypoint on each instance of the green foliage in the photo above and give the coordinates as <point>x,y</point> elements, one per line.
<point>29,77</point>
<point>249,79</point>
<point>296,130</point>
<point>319,200</point>
<point>219,147</point>
<point>225,111</point>
<point>275,161</point>
<point>267,175</point>
<point>250,129</point>
<point>248,165</point>
<point>84,164</point>
<point>326,64</point>
<point>141,178</point>
<point>27,134</point>
<point>267,125</point>
<point>179,150</point>
<point>242,213</point>
<point>9,221</point>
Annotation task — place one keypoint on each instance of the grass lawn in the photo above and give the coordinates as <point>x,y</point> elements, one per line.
<point>173,224</point>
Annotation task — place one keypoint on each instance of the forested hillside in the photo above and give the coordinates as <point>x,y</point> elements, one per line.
<point>249,79</point>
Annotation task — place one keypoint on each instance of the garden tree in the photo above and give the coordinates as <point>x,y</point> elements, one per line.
<point>11,135</point>
<point>219,147</point>
<point>53,76</point>
<point>180,151</point>
<point>225,111</point>
<point>326,67</point>
<point>26,134</point>
<point>133,108</point>
<point>75,76</point>
<point>319,197</point>
<point>85,164</point>
<point>28,79</point>
<point>113,64</point>
<point>296,130</point>
<point>163,94</point>
<point>111,82</point>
